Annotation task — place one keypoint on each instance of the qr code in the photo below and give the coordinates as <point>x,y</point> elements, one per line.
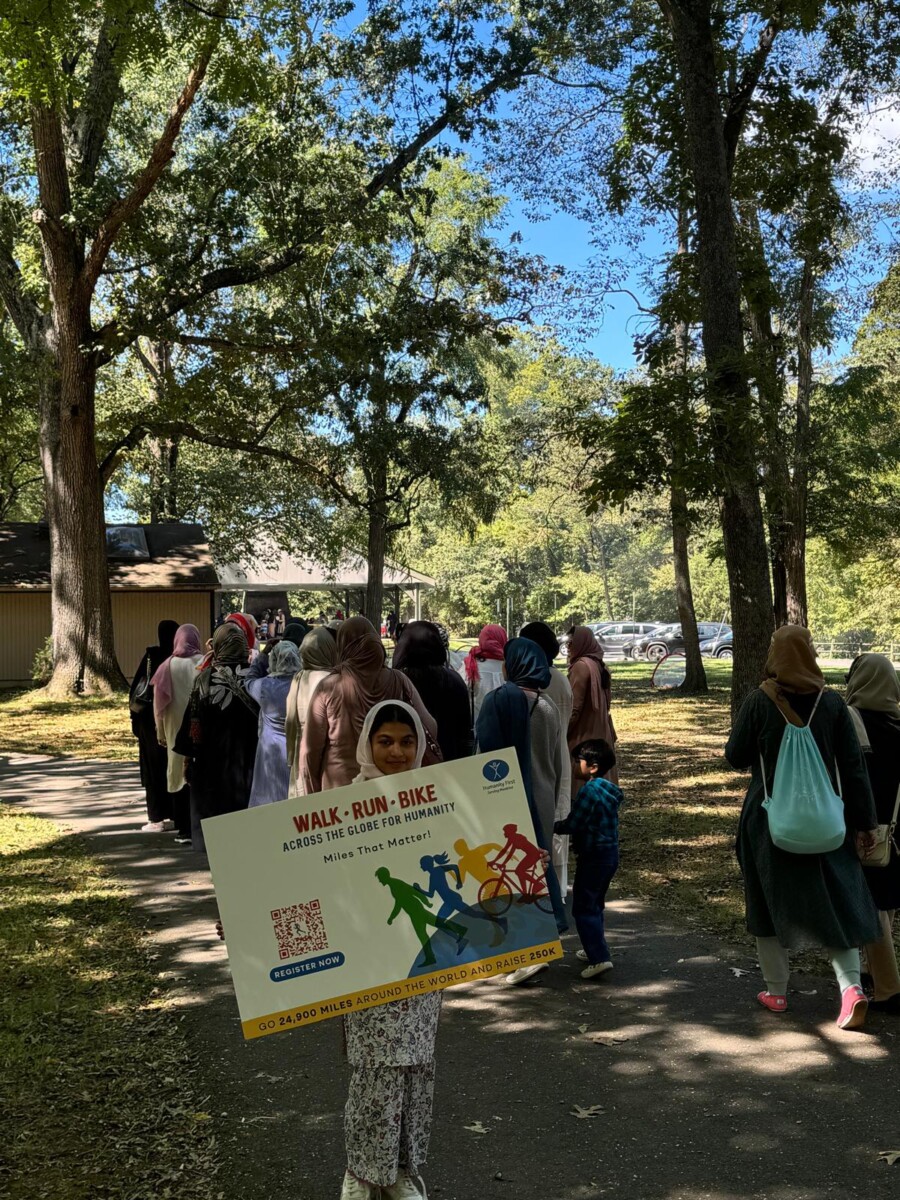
<point>299,929</point>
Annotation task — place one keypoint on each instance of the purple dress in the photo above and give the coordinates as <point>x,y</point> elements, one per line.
<point>271,772</point>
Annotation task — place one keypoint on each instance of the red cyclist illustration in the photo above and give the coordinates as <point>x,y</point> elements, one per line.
<point>523,878</point>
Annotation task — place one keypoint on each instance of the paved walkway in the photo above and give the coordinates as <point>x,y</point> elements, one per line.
<point>703,1095</point>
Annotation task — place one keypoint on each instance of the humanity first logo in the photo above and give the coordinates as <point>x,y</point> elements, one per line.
<point>496,770</point>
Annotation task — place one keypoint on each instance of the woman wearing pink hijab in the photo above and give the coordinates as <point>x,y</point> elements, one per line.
<point>483,667</point>
<point>172,685</point>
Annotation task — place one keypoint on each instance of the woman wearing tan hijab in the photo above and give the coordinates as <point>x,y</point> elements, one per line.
<point>797,901</point>
<point>318,652</point>
<point>873,692</point>
<point>591,698</point>
<point>339,706</point>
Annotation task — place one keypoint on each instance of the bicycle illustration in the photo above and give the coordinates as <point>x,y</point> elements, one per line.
<point>523,881</point>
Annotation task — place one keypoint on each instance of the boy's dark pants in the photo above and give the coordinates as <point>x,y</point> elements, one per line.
<point>593,875</point>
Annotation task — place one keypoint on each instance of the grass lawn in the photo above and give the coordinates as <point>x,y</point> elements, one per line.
<point>99,1093</point>
<point>92,727</point>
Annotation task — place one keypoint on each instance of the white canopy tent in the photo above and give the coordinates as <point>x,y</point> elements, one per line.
<point>279,572</point>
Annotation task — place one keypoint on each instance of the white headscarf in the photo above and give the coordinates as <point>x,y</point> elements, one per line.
<point>367,768</point>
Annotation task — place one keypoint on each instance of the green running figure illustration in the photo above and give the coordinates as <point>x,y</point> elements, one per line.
<point>416,905</point>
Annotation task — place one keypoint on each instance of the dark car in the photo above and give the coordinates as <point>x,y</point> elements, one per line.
<point>670,640</point>
<point>718,647</point>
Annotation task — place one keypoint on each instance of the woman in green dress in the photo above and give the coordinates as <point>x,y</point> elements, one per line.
<point>798,901</point>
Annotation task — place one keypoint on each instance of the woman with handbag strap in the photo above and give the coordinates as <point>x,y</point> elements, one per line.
<point>800,901</point>
<point>873,692</point>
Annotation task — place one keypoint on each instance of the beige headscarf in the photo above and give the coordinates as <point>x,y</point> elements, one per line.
<point>319,654</point>
<point>873,686</point>
<point>791,667</point>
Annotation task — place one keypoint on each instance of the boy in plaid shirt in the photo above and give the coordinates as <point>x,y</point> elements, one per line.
<point>593,825</point>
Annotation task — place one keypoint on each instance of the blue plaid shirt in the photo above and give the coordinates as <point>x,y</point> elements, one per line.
<point>594,820</point>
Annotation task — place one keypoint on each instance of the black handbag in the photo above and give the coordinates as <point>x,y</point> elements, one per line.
<point>142,694</point>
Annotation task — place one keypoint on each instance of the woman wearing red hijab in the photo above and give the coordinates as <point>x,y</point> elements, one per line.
<point>483,666</point>
<point>590,681</point>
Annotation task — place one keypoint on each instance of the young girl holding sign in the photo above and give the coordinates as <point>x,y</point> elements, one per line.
<point>387,1120</point>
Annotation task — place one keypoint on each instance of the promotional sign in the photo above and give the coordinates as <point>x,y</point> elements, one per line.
<point>385,889</point>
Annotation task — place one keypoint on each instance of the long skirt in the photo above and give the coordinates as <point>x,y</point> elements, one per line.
<point>154,768</point>
<point>387,1118</point>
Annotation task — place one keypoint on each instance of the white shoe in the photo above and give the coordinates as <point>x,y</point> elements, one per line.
<point>154,827</point>
<point>407,1187</point>
<point>582,954</point>
<point>525,973</point>
<point>596,969</point>
<point>355,1189</point>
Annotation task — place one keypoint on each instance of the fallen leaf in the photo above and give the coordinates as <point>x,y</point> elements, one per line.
<point>605,1039</point>
<point>202,1117</point>
<point>889,1156</point>
<point>583,1028</point>
<point>583,1113</point>
<point>811,992</point>
<point>737,972</point>
<point>476,1128</point>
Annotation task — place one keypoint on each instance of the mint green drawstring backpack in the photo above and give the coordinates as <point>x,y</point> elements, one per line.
<point>805,815</point>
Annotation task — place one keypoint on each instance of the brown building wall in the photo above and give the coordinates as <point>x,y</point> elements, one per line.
<point>26,618</point>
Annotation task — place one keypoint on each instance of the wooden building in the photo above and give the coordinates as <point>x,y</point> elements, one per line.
<point>156,572</point>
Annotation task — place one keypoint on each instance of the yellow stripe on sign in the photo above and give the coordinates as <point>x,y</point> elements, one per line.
<point>340,1006</point>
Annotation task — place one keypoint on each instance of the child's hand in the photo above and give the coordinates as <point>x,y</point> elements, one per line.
<point>220,931</point>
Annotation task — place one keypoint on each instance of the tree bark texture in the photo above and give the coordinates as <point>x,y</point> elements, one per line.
<point>375,552</point>
<point>694,671</point>
<point>740,510</point>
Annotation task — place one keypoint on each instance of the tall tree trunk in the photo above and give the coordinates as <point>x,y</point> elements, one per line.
<point>375,552</point>
<point>157,363</point>
<point>795,549</point>
<point>84,657</point>
<point>740,510</point>
<point>694,671</point>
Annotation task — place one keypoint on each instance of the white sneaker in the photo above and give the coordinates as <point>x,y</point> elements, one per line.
<point>596,969</point>
<point>582,954</point>
<point>525,973</point>
<point>406,1188</point>
<point>154,827</point>
<point>355,1189</point>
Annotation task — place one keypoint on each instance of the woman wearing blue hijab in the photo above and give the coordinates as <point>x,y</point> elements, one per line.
<point>517,714</point>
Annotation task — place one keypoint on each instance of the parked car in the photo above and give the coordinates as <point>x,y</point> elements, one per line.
<point>658,644</point>
<point>718,647</point>
<point>614,636</point>
<point>630,644</point>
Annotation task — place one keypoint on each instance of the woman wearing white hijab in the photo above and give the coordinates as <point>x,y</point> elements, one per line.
<point>387,1119</point>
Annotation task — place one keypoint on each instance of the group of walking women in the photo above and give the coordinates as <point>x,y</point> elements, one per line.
<point>323,708</point>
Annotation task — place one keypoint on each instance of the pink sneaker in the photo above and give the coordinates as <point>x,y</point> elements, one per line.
<point>854,1007</point>
<point>775,1004</point>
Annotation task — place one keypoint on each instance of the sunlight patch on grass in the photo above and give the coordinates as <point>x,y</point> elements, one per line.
<point>86,727</point>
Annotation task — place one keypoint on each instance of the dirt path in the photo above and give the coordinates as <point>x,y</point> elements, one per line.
<point>703,1095</point>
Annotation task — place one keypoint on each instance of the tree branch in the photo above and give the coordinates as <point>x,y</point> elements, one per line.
<point>116,335</point>
<point>110,461</point>
<point>222,343</point>
<point>162,154</point>
<point>23,312</point>
<point>91,124</point>
<point>739,104</point>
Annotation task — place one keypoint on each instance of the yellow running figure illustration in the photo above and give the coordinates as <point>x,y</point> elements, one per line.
<point>474,860</point>
<point>416,905</point>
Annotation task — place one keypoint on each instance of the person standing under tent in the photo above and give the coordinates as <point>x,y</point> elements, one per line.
<point>559,690</point>
<point>801,901</point>
<point>172,685</point>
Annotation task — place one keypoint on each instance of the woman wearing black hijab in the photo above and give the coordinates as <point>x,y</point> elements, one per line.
<point>422,656</point>
<point>154,758</point>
